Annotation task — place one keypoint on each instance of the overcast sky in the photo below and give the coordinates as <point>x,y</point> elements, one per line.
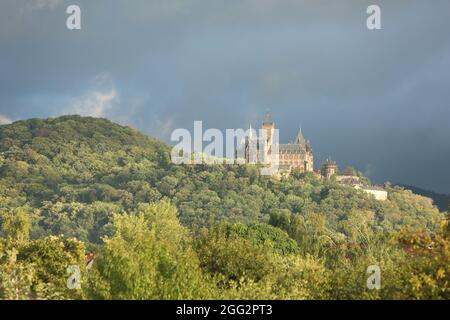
<point>375,100</point>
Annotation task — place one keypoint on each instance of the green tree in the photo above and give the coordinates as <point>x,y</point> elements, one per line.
<point>148,257</point>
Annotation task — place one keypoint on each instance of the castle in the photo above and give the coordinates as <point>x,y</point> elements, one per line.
<point>297,155</point>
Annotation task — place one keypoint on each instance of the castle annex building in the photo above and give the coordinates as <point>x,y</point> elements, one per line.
<point>297,155</point>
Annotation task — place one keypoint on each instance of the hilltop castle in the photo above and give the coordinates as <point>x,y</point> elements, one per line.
<point>297,155</point>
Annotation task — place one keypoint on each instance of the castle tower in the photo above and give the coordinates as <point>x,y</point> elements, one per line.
<point>268,127</point>
<point>329,168</point>
<point>296,155</point>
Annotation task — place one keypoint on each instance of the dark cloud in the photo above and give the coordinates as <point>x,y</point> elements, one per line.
<point>376,100</point>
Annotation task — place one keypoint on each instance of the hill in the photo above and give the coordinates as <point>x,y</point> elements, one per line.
<point>442,201</point>
<point>83,166</point>
<point>117,193</point>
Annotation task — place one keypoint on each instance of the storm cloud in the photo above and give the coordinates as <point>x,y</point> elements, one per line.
<point>374,100</point>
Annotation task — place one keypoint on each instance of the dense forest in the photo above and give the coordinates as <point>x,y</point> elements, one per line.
<point>442,201</point>
<point>73,188</point>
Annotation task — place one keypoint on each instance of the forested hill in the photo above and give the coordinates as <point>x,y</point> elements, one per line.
<point>246,235</point>
<point>442,201</point>
<point>96,132</point>
<point>74,161</point>
<point>71,167</point>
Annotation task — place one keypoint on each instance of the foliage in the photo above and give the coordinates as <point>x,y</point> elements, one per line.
<point>74,186</point>
<point>36,269</point>
<point>148,257</point>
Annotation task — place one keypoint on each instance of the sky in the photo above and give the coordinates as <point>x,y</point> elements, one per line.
<point>376,100</point>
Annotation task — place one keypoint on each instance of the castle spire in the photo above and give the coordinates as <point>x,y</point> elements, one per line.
<point>300,139</point>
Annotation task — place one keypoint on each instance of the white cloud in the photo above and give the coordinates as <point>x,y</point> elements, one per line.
<point>94,104</point>
<point>163,127</point>
<point>98,102</point>
<point>5,119</point>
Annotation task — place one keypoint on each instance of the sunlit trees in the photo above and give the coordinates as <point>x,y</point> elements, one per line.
<point>429,262</point>
<point>261,259</point>
<point>15,225</point>
<point>72,185</point>
<point>36,269</point>
<point>148,257</point>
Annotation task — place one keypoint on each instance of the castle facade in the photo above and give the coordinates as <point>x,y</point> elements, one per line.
<point>297,155</point>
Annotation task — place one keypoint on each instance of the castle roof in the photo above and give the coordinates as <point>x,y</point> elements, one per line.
<point>291,148</point>
<point>329,162</point>
<point>300,139</point>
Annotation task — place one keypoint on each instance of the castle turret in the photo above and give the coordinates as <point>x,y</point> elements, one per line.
<point>329,168</point>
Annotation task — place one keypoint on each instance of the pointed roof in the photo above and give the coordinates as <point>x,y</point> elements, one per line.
<point>300,139</point>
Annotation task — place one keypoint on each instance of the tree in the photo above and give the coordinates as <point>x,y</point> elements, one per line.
<point>148,257</point>
<point>16,225</point>
<point>429,262</point>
